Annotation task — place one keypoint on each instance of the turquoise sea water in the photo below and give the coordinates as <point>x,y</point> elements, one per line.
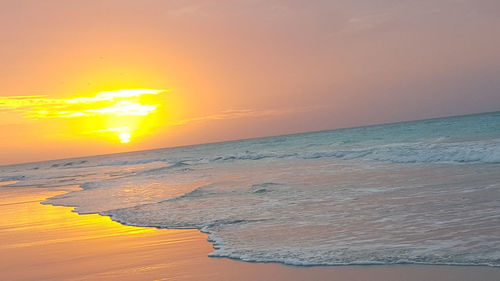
<point>414,192</point>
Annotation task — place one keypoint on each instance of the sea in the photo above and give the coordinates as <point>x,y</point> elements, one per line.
<point>420,192</point>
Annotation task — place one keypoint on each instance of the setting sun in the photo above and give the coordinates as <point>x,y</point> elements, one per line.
<point>124,137</point>
<point>111,115</point>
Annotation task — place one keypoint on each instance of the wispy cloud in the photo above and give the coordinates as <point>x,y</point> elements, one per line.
<point>246,113</point>
<point>365,23</point>
<point>119,103</point>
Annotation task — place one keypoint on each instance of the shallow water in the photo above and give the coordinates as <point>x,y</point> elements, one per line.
<point>415,192</point>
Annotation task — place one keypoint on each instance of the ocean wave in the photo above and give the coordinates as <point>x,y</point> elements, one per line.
<point>326,261</point>
<point>12,178</point>
<point>180,166</point>
<point>385,214</point>
<point>68,164</point>
<point>435,151</point>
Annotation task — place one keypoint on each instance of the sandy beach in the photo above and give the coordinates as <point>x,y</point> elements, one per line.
<point>245,140</point>
<point>44,242</point>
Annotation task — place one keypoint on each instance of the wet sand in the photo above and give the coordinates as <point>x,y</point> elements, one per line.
<point>44,242</point>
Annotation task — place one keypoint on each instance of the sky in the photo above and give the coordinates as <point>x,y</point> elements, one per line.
<point>206,71</point>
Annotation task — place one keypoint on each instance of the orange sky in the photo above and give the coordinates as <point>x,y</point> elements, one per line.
<point>234,69</point>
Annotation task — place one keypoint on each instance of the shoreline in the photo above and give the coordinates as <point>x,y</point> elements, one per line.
<point>48,242</point>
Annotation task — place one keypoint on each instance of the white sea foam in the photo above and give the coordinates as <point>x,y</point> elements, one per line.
<point>327,218</point>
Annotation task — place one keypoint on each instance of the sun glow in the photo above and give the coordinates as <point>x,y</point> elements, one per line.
<point>115,114</point>
<point>124,137</point>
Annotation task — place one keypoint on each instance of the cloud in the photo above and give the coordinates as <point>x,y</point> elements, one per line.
<point>187,9</point>
<point>365,23</point>
<point>246,113</point>
<point>119,103</point>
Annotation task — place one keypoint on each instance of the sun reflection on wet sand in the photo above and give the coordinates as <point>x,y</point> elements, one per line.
<point>44,242</point>
<point>7,182</point>
<point>40,242</point>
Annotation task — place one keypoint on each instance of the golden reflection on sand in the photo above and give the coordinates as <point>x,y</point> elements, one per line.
<point>7,182</point>
<point>44,242</point>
